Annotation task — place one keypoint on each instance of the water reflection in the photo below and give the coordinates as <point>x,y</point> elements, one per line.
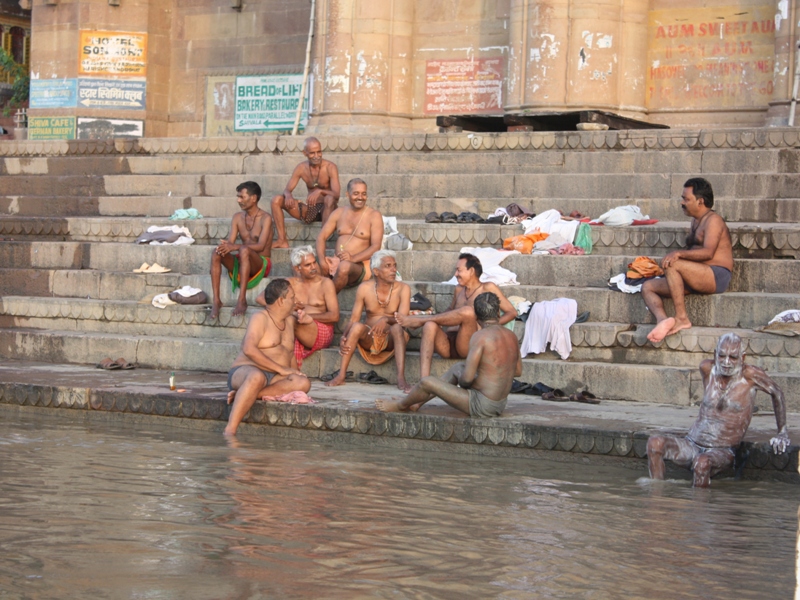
<point>115,512</point>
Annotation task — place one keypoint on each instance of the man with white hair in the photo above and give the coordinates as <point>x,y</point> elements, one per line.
<point>730,388</point>
<point>381,336</point>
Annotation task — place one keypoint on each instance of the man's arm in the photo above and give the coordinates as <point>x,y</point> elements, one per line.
<point>711,240</point>
<point>229,245</point>
<point>326,232</point>
<point>375,239</point>
<point>293,181</point>
<point>331,303</point>
<point>518,372</point>
<point>472,362</point>
<point>764,382</point>
<point>256,329</point>
<point>333,173</point>
<point>507,310</point>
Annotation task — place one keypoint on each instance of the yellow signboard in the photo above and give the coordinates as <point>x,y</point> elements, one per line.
<point>51,128</point>
<point>715,57</point>
<point>112,53</point>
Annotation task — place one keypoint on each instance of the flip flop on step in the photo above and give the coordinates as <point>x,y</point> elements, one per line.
<point>348,376</point>
<point>108,365</point>
<point>555,396</point>
<point>586,397</point>
<point>449,217</point>
<point>371,377</point>
<point>433,217</point>
<point>520,387</point>
<point>142,269</point>
<point>583,317</point>
<point>124,364</point>
<point>157,268</point>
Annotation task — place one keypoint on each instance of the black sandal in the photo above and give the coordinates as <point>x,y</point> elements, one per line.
<point>449,217</point>
<point>433,217</point>
<point>371,377</point>
<point>348,376</point>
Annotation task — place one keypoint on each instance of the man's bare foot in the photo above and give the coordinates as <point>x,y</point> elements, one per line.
<point>338,380</point>
<point>403,386</point>
<point>280,243</point>
<point>661,330</point>
<point>241,308</point>
<point>229,432</point>
<point>388,405</point>
<point>409,321</point>
<point>679,325</point>
<point>231,396</point>
<point>415,407</point>
<point>215,308</point>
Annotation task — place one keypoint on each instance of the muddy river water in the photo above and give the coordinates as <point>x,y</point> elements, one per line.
<point>103,510</point>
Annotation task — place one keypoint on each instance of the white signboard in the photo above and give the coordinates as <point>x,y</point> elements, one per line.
<point>269,102</point>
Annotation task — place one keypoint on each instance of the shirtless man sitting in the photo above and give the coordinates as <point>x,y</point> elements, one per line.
<point>316,305</point>
<point>479,386</point>
<point>703,268</point>
<point>449,333</point>
<point>249,262</point>
<point>322,181</point>
<point>725,412</point>
<point>381,336</point>
<point>360,233</point>
<point>266,365</point>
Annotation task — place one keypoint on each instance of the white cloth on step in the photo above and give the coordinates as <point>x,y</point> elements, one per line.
<point>185,239</point>
<point>549,323</point>
<point>490,261</point>
<point>162,301</point>
<point>787,316</point>
<point>550,221</point>
<point>187,291</point>
<point>621,215</point>
<point>619,281</point>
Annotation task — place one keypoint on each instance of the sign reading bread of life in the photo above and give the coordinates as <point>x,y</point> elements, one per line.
<point>269,102</point>
<point>461,87</point>
<point>112,53</point>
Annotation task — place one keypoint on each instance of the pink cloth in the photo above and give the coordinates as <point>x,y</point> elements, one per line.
<point>567,249</point>
<point>297,397</point>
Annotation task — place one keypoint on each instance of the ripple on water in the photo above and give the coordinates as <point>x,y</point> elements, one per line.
<point>113,511</point>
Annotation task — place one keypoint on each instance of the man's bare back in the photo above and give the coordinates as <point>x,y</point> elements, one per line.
<point>499,354</point>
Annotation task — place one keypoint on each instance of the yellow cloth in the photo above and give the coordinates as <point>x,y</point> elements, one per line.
<point>377,353</point>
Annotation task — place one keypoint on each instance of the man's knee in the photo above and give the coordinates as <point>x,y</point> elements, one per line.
<point>429,329</point>
<point>330,202</point>
<point>278,201</point>
<point>396,329</point>
<point>216,258</point>
<point>655,445</point>
<point>701,465</point>
<point>428,383</point>
<point>300,382</point>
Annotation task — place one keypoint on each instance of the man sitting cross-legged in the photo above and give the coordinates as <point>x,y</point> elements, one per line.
<point>703,268</point>
<point>479,386</point>
<point>266,365</point>
<point>448,333</point>
<point>359,232</point>
<point>381,336</point>
<point>729,393</point>
<point>247,263</point>
<point>322,181</point>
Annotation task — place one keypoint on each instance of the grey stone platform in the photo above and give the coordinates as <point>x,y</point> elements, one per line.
<point>609,431</point>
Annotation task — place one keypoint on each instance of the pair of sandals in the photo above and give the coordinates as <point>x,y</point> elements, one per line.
<point>449,217</point>
<point>370,377</point>
<point>552,394</point>
<point>112,365</point>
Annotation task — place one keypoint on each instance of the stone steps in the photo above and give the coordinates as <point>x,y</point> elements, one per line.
<point>642,383</point>
<point>592,341</point>
<point>750,239</point>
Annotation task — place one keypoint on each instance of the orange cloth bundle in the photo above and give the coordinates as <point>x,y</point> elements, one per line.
<point>643,266</point>
<point>524,243</point>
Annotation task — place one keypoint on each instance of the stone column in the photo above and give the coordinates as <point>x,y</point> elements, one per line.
<point>577,54</point>
<point>363,66</point>
<point>786,15</point>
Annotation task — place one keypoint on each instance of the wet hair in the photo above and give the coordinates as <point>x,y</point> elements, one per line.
<point>252,188</point>
<point>729,338</point>
<point>354,182</point>
<point>276,289</point>
<point>377,258</point>
<point>299,254</point>
<point>487,307</point>
<point>473,262</point>
<point>310,140</point>
<point>701,189</point>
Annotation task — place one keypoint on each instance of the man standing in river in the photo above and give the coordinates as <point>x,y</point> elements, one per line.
<point>726,410</point>
<point>479,386</point>
<point>322,181</point>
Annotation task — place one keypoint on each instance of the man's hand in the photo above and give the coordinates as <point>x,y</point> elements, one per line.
<point>225,247</point>
<point>669,259</point>
<point>289,202</point>
<point>344,346</point>
<point>344,255</point>
<point>290,371</point>
<point>303,318</point>
<point>314,197</point>
<point>380,328</point>
<point>780,442</point>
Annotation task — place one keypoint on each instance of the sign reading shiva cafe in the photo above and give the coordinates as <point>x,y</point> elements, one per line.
<point>269,102</point>
<point>51,128</point>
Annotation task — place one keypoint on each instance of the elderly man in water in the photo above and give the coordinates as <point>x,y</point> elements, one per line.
<point>266,365</point>
<point>725,413</point>
<point>480,385</point>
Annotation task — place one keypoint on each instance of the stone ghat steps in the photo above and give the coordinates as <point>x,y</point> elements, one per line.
<point>592,341</point>
<point>749,275</point>
<point>750,239</point>
<point>641,383</point>
<point>731,309</point>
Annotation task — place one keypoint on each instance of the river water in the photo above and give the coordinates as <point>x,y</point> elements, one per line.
<point>136,511</point>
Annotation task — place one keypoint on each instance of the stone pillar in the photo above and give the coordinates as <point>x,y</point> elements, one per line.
<point>363,66</point>
<point>55,50</point>
<point>786,16</point>
<point>576,54</point>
